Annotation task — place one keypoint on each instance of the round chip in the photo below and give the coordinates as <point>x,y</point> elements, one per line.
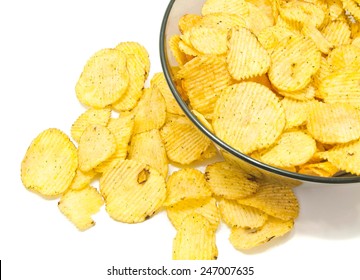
<point>248,116</point>
<point>209,40</point>
<point>104,79</point>
<point>337,33</point>
<point>50,163</point>
<point>296,112</point>
<point>133,191</point>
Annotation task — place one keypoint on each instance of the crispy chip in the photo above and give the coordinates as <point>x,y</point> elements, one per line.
<point>337,33</point>
<point>248,116</point>
<point>104,79</point>
<point>195,240</point>
<point>50,163</point>
<point>244,239</point>
<point>296,112</point>
<point>317,37</point>
<point>148,148</point>
<point>79,205</point>
<point>352,7</point>
<point>184,143</point>
<point>306,94</point>
<point>179,56</point>
<point>258,19</point>
<point>237,215</point>
<point>237,7</point>
<point>246,57</point>
<point>82,179</point>
<point>223,21</point>
<point>187,183</point>
<point>206,207</point>
<point>203,120</point>
<point>96,145</point>
<point>209,40</point>
<point>188,21</point>
<point>333,123</point>
<point>275,200</point>
<point>133,191</point>
<point>270,36</point>
<point>343,57</point>
<point>229,181</point>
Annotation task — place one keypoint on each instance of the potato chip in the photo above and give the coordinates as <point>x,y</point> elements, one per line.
<point>237,215</point>
<point>50,163</point>
<point>229,181</point>
<point>344,156</point>
<point>275,200</point>
<point>203,120</point>
<point>237,7</point>
<point>188,21</point>
<point>323,169</point>
<point>133,191</point>
<point>147,147</point>
<point>333,123</point>
<point>296,112</point>
<point>337,33</point>
<point>188,50</point>
<point>323,72</point>
<point>179,56</point>
<point>82,179</point>
<point>209,153</point>
<point>195,240</point>
<point>343,57</point>
<point>245,239</point>
<point>356,42</point>
<point>294,61</point>
<point>184,143</point>
<point>306,94</point>
<point>223,21</point>
<point>317,37</point>
<point>79,205</point>
<point>246,57</point>
<point>208,40</point>
<point>352,7</point>
<point>187,183</point>
<point>270,36</point>
<point>206,207</point>
<point>104,79</point>
<point>248,116</point>
<point>96,145</point>
<point>293,148</point>
<point>258,19</point>
<point>335,8</point>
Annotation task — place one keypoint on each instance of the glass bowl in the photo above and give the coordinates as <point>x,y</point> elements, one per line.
<point>175,10</point>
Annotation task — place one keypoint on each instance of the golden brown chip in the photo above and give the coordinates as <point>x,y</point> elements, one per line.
<point>237,215</point>
<point>195,240</point>
<point>248,116</point>
<point>133,191</point>
<point>206,207</point>
<point>229,181</point>
<point>104,79</point>
<point>244,239</point>
<point>187,183</point>
<point>50,163</point>
<point>237,7</point>
<point>79,205</point>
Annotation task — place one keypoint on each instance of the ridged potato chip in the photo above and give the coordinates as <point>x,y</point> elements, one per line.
<point>50,163</point>
<point>209,40</point>
<point>82,179</point>
<point>317,37</point>
<point>223,21</point>
<point>104,79</point>
<point>344,57</point>
<point>333,123</point>
<point>270,36</point>
<point>96,144</point>
<point>179,56</point>
<point>337,33</point>
<point>306,94</point>
<point>133,191</point>
<point>203,120</point>
<point>79,205</point>
<point>237,215</point>
<point>245,239</point>
<point>187,183</point>
<point>248,116</point>
<point>188,21</point>
<point>195,240</point>
<point>296,112</point>
<point>184,143</point>
<point>147,147</point>
<point>206,207</point>
<point>229,181</point>
<point>237,7</point>
<point>275,200</point>
<point>258,19</point>
<point>352,7</point>
<point>246,57</point>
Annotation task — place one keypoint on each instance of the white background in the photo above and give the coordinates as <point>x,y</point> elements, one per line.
<point>44,46</point>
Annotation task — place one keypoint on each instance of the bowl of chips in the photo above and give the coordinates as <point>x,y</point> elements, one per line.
<point>273,84</point>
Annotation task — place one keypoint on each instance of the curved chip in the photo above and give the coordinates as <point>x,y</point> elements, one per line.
<point>195,240</point>
<point>237,7</point>
<point>296,112</point>
<point>317,37</point>
<point>223,21</point>
<point>50,163</point>
<point>133,191</point>
<point>248,116</point>
<point>104,79</point>
<point>82,179</point>
<point>179,56</point>
<point>343,57</point>
<point>208,40</point>
<point>337,33</point>
<point>323,169</point>
<point>188,21</point>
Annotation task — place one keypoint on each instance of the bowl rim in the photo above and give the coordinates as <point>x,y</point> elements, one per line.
<point>218,141</point>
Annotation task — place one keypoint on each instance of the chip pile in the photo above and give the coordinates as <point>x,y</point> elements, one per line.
<point>277,80</point>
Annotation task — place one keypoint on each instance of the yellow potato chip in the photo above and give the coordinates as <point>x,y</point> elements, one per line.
<point>188,21</point>
<point>356,42</point>
<point>344,156</point>
<point>203,120</point>
<point>104,79</point>
<point>306,94</point>
<point>352,7</point>
<point>96,145</point>
<point>184,143</point>
<point>179,56</point>
<point>322,73</point>
<point>90,116</point>
<point>275,200</point>
<point>337,33</point>
<point>323,169</point>
<point>248,116</point>
<point>335,8</point>
<point>82,179</point>
<point>246,57</point>
<point>294,61</point>
<point>147,147</point>
<point>291,149</point>
<point>50,163</point>
<point>206,207</point>
<point>79,205</point>
<point>195,240</point>
<point>270,36</point>
<point>229,181</point>
<point>223,21</point>
<point>343,57</point>
<point>245,239</point>
<point>209,153</point>
<point>133,191</point>
<point>187,183</point>
<point>333,123</point>
<point>296,112</point>
<point>317,37</point>
<point>188,50</point>
<point>237,7</point>
<point>209,40</point>
<point>258,19</point>
<point>237,215</point>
